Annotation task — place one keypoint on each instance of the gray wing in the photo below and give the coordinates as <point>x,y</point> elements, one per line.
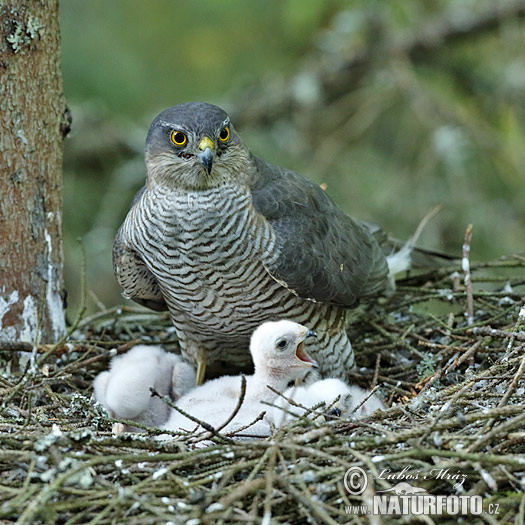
<point>136,280</point>
<point>324,255</point>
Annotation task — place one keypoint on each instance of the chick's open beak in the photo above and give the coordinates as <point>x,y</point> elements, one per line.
<point>301,354</point>
<point>206,153</point>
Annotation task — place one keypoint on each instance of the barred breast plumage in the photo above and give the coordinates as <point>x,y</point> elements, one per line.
<point>225,241</point>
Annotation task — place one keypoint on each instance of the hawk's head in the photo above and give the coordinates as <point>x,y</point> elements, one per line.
<point>194,146</point>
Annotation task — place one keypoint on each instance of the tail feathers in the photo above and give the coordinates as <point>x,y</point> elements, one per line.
<point>420,257</point>
<point>409,256</point>
<point>400,261</point>
<point>423,258</point>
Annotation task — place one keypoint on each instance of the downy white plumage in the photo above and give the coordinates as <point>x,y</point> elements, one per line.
<point>277,350</point>
<point>124,390</point>
<point>326,391</point>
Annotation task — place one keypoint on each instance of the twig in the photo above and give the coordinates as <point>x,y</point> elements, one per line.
<point>481,438</point>
<point>444,410</point>
<point>20,346</point>
<point>376,371</point>
<point>452,364</point>
<point>369,395</point>
<point>487,330</point>
<point>137,477</point>
<point>518,422</point>
<point>423,224</point>
<point>520,320</point>
<point>307,411</point>
<point>270,476</point>
<point>203,424</point>
<point>514,383</point>
<point>237,432</point>
<point>465,264</point>
<point>306,500</point>
<point>238,406</point>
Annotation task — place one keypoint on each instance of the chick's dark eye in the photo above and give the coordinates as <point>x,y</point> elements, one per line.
<point>224,135</point>
<point>282,343</point>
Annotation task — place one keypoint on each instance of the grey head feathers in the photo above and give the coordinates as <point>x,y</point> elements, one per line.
<point>194,146</point>
<point>197,118</point>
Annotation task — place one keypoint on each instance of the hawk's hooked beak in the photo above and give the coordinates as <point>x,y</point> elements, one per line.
<point>206,153</point>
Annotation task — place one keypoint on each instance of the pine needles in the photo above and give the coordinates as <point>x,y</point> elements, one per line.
<point>456,397</point>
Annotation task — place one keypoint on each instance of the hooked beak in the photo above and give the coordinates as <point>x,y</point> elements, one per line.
<point>302,355</point>
<point>206,153</point>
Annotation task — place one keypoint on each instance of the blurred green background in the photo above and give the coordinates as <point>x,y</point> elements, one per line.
<point>396,106</point>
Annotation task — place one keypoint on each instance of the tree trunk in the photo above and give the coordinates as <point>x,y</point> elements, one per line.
<point>33,124</point>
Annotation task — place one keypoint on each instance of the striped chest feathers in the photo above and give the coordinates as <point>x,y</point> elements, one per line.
<point>205,243</point>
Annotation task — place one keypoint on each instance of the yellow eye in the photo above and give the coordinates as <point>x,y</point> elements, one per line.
<point>178,138</point>
<point>224,135</point>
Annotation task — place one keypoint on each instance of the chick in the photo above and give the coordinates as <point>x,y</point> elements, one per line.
<point>124,390</point>
<point>278,354</point>
<point>324,391</point>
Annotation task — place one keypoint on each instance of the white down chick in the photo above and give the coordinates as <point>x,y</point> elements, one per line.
<point>124,390</point>
<point>278,354</point>
<point>324,391</point>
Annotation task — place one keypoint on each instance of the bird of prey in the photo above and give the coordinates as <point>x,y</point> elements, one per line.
<point>225,241</point>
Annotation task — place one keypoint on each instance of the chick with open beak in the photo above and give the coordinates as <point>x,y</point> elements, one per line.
<point>277,350</point>
<point>300,352</point>
<point>279,358</point>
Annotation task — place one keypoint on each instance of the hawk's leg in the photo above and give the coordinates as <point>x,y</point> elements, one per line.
<point>197,353</point>
<point>201,369</point>
<point>194,350</point>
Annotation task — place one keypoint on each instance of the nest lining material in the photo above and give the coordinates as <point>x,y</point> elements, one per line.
<point>455,394</point>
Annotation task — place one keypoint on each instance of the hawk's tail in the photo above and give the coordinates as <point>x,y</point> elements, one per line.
<point>400,261</point>
<point>410,256</point>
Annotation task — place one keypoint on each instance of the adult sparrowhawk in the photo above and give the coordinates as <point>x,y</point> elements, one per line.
<point>226,241</point>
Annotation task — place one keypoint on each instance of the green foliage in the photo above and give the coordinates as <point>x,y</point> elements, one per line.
<point>140,57</point>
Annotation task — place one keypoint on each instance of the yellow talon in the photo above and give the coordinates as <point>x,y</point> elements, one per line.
<point>201,371</point>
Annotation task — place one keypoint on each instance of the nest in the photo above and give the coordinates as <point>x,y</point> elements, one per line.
<point>447,358</point>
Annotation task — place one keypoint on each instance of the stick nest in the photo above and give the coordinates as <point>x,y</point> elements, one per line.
<point>454,392</point>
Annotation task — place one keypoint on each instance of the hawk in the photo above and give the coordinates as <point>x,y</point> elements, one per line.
<point>225,241</point>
